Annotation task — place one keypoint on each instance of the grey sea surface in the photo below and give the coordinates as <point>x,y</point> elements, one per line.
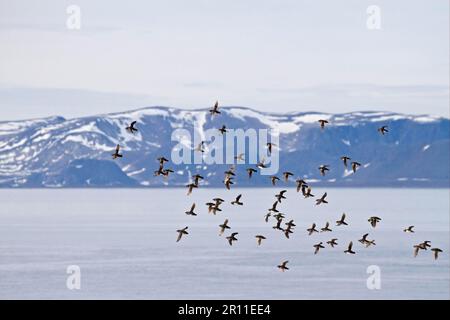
<point>124,241</point>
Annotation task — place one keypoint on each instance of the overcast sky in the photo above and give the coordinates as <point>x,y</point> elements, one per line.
<point>270,55</point>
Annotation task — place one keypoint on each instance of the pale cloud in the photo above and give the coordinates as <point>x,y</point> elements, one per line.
<point>265,54</point>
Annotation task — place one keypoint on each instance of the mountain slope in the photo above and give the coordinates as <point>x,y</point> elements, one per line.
<point>55,152</point>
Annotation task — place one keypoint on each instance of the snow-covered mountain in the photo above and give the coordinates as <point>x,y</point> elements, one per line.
<point>56,152</point>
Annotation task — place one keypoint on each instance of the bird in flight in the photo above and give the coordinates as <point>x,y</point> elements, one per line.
<point>274,207</point>
<point>436,252</point>
<point>349,249</point>
<point>261,164</point>
<point>345,159</point>
<point>283,266</point>
<point>196,178</point>
<point>270,145</point>
<point>274,179</point>
<point>322,123</point>
<point>317,247</point>
<point>332,242</point>
<point>366,242</point>
<point>383,130</point>
<point>131,128</point>
<point>326,228</point>
<point>215,109</point>
<point>409,229</point>
<point>286,175</point>
<point>232,238</point>
<point>280,195</point>
<point>116,154</point>
<point>323,169</point>
<point>228,182</point>
<point>250,172</point>
<point>223,129</point>
<point>306,190</point>
<point>300,183</point>
<point>355,166</point>
<point>342,221</point>
<point>421,246</point>
<point>237,200</point>
<point>181,232</point>
<point>312,229</point>
<point>322,199</point>
<point>191,211</point>
<point>259,239</point>
<point>191,186</point>
<point>223,227</point>
<point>200,147</point>
<point>239,157</point>
<point>373,221</point>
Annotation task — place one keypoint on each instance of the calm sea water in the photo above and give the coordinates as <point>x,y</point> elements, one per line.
<point>124,243</point>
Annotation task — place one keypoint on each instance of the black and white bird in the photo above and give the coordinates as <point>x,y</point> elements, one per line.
<point>383,130</point>
<point>349,248</point>
<point>116,154</point>
<point>250,172</point>
<point>197,178</point>
<point>223,226</point>
<point>239,157</point>
<point>274,207</point>
<point>373,221</point>
<point>286,175</point>
<point>312,229</point>
<point>181,232</point>
<point>223,129</point>
<point>326,228</point>
<point>366,241</point>
<point>332,242</point>
<point>322,123</point>
<point>323,169</point>
<point>237,200</point>
<point>215,109</point>
<point>200,147</point>
<point>280,195</point>
<point>342,221</point>
<point>436,252</point>
<point>283,266</point>
<point>259,239</point>
<point>232,238</point>
<point>322,199</point>
<point>317,247</point>
<point>300,183</point>
<point>270,145</point>
<point>131,128</point>
<point>409,229</point>
<point>274,179</point>
<point>345,160</point>
<point>191,186</point>
<point>355,166</point>
<point>191,211</point>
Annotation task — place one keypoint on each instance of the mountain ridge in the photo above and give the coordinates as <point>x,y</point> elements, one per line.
<point>38,152</point>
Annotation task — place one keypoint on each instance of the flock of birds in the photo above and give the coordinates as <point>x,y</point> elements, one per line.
<point>301,186</point>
